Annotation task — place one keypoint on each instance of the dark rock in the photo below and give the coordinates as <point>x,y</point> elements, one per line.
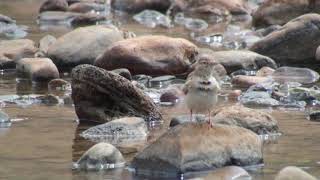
<point>172,94</point>
<point>101,156</point>
<point>54,5</point>
<point>268,30</point>
<point>59,85</point>
<point>44,45</point>
<point>38,69</point>
<point>6,19</point>
<point>48,99</point>
<point>292,74</point>
<point>124,73</point>
<point>135,6</point>
<point>285,45</point>
<point>101,96</point>
<point>315,116</point>
<point>85,7</point>
<point>183,119</point>
<point>87,19</point>
<point>150,55</point>
<point>82,45</point>
<point>195,147</point>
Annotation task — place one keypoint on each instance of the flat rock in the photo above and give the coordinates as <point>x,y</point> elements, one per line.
<point>195,147</point>
<point>100,156</point>
<point>297,41</point>
<point>38,69</point>
<point>294,173</point>
<point>13,50</point>
<point>82,45</point>
<point>150,55</point>
<point>235,60</point>
<point>101,96</point>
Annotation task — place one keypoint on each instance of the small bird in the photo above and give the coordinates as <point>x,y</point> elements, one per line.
<point>202,88</point>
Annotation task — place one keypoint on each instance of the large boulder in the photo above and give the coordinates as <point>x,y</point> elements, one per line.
<point>13,50</point>
<point>296,41</point>
<point>101,96</point>
<point>82,45</point>
<point>135,6</point>
<point>38,69</point>
<point>194,147</point>
<point>151,55</point>
<point>54,5</point>
<point>212,7</point>
<point>236,60</point>
<point>273,12</point>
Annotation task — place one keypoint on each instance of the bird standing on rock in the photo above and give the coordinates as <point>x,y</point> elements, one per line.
<point>202,88</point>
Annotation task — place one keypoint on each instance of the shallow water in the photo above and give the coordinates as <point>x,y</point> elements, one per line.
<point>44,141</point>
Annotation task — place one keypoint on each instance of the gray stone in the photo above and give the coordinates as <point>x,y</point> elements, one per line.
<point>195,147</point>
<point>294,173</point>
<point>54,5</point>
<point>44,45</point>
<point>293,74</point>
<point>101,156</point>
<point>183,119</point>
<point>135,6</point>
<point>59,85</point>
<point>101,96</point>
<point>258,98</point>
<point>226,173</point>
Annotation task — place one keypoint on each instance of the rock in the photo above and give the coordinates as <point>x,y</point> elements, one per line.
<point>82,45</point>
<point>101,96</point>
<point>227,173</point>
<point>236,60</point>
<point>38,69</point>
<point>195,147</point>
<point>59,85</point>
<point>291,74</point>
<point>247,81</point>
<point>101,156</point>
<point>235,94</point>
<point>49,99</point>
<point>279,12</point>
<point>212,7</point>
<point>150,55</point>
<point>266,31</point>
<point>265,71</point>
<point>6,19</point>
<point>161,81</point>
<point>284,45</point>
<point>135,6</point>
<point>258,98</point>
<point>255,120</point>
<point>315,116</point>
<point>44,45</point>
<point>293,173</point>
<point>172,94</point>
<point>85,7</point>
<point>124,73</point>
<point>126,129</point>
<point>54,5</point>
<point>183,119</point>
<point>87,19</point>
<point>13,50</point>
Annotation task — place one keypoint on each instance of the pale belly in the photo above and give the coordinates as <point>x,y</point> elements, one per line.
<point>201,102</point>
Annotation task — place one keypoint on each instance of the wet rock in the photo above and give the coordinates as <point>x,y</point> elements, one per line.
<point>268,30</point>
<point>100,156</point>
<point>265,72</point>
<point>150,55</point>
<point>281,11</point>
<point>315,116</point>
<point>126,129</point>
<point>183,119</point>
<point>236,60</point>
<point>6,19</point>
<point>59,85</point>
<point>161,81</point>
<point>284,45</point>
<point>85,7</point>
<point>193,24</point>
<point>54,5</point>
<point>135,6</point>
<point>38,69</point>
<point>293,173</point>
<point>172,94</point>
<point>44,45</point>
<point>292,74</point>
<point>255,120</point>
<point>194,147</point>
<point>87,19</point>
<point>258,98</point>
<point>57,17</point>
<point>227,173</point>
<point>101,96</point>
<point>212,7</point>
<point>13,50</point>
<point>151,18</point>
<point>48,99</point>
<point>247,81</point>
<point>83,45</point>
<point>124,73</point>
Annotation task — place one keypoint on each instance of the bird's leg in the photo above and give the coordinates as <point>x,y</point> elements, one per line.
<point>210,119</point>
<point>191,115</point>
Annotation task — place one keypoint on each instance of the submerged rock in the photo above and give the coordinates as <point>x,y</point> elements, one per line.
<point>101,96</point>
<point>293,173</point>
<point>10,29</point>
<point>151,18</point>
<point>37,69</point>
<point>124,73</point>
<point>14,50</point>
<point>226,173</point>
<point>100,156</point>
<point>292,74</point>
<point>120,130</point>
<point>195,147</point>
<point>150,55</point>
<point>285,45</point>
<point>135,6</point>
<point>82,45</point>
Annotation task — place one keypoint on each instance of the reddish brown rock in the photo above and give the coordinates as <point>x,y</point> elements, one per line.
<point>85,7</point>
<point>265,71</point>
<point>54,5</point>
<point>150,55</point>
<point>247,81</point>
<point>135,6</point>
